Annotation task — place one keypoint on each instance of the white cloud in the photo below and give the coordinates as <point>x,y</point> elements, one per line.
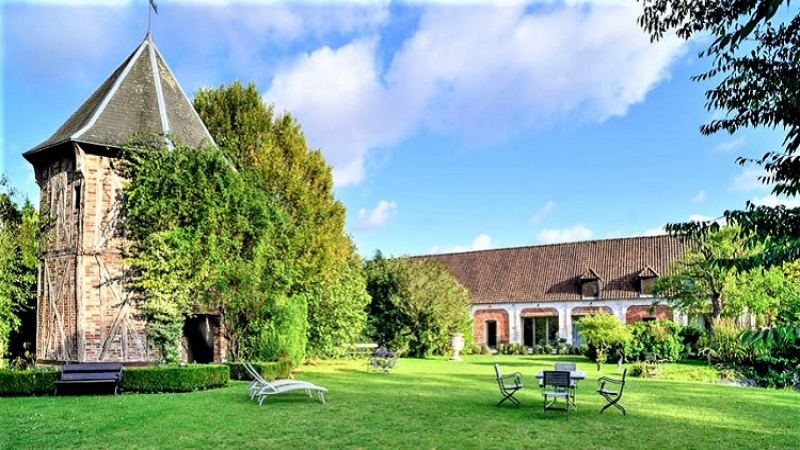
<point>747,181</point>
<point>773,200</point>
<point>482,242</point>
<point>655,231</point>
<point>729,146</point>
<point>700,197</point>
<point>700,218</point>
<point>354,87</point>
<point>523,70</point>
<point>338,97</point>
<point>554,236</point>
<point>543,212</point>
<point>378,217</point>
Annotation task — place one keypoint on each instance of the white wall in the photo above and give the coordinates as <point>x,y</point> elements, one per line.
<point>618,307</point>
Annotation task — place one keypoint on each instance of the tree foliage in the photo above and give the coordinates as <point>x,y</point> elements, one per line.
<point>661,337</point>
<point>756,58</point>
<point>203,238</point>
<point>604,332</point>
<point>416,304</point>
<point>697,283</point>
<point>272,151</point>
<point>19,244</point>
<point>250,229</point>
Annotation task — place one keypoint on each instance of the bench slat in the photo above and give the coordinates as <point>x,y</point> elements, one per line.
<point>89,376</point>
<point>92,367</point>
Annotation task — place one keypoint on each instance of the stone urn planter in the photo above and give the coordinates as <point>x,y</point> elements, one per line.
<point>457,344</point>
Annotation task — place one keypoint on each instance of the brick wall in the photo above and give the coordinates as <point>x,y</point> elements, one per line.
<point>85,311</point>
<point>636,313</point>
<point>479,319</point>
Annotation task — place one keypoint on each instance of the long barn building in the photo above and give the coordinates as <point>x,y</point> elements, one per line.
<point>532,295</point>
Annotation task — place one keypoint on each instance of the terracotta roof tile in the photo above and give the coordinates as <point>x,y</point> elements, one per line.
<point>553,272</point>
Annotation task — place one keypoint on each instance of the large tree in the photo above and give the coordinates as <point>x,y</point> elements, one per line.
<point>271,150</point>
<point>417,304</point>
<point>205,237</point>
<point>19,241</point>
<point>697,283</point>
<point>756,60</point>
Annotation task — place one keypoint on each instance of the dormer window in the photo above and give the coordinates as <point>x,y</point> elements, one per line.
<point>647,281</point>
<point>591,285</point>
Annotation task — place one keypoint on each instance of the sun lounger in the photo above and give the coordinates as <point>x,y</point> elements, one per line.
<point>261,388</point>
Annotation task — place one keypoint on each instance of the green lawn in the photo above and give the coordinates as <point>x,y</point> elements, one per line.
<point>423,404</point>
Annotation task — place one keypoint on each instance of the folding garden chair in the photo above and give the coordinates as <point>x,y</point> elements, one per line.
<point>611,390</point>
<point>509,384</point>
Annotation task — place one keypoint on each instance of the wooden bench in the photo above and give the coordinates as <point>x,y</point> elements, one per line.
<point>107,376</point>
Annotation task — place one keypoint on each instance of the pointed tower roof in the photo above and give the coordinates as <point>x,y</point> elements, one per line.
<point>141,95</point>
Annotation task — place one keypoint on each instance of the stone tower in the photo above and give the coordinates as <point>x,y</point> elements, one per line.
<point>85,313</point>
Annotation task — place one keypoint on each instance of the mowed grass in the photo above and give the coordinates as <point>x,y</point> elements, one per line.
<point>422,404</point>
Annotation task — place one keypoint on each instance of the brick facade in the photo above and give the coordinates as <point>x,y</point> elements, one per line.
<point>636,313</point>
<point>85,311</point>
<point>479,319</point>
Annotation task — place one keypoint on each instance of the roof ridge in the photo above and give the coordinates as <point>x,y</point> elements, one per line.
<point>128,63</point>
<point>140,95</point>
<point>555,244</point>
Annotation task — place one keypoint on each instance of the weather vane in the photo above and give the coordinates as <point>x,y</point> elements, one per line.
<point>150,9</point>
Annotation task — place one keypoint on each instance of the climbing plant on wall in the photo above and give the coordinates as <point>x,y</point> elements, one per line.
<point>203,237</point>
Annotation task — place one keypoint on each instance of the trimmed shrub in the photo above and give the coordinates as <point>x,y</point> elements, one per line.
<point>274,370</point>
<point>548,349</point>
<point>475,349</point>
<point>485,350</point>
<point>538,350</point>
<point>27,382</point>
<point>192,377</point>
<point>661,337</point>
<point>563,349</point>
<point>638,369</point>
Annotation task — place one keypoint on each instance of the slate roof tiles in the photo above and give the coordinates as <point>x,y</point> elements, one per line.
<point>141,95</point>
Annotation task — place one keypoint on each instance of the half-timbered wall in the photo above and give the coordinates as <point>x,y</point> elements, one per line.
<point>57,311</point>
<point>85,311</point>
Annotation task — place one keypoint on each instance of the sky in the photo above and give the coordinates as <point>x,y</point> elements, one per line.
<point>449,125</point>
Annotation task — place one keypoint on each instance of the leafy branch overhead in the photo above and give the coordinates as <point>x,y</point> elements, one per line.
<point>756,58</point>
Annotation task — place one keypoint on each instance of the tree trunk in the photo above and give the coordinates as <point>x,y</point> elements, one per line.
<point>716,306</point>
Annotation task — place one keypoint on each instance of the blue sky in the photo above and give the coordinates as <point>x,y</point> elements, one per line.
<point>450,126</point>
